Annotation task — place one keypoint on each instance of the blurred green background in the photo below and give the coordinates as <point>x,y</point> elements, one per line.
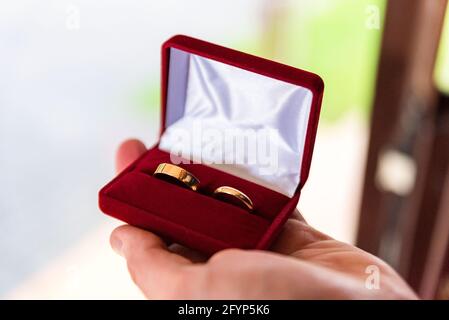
<point>442,65</point>
<point>331,38</point>
<point>335,39</point>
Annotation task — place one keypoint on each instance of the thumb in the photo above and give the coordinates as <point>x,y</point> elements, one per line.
<point>153,268</point>
<point>128,151</point>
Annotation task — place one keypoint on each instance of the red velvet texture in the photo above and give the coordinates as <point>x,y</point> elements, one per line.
<point>197,219</point>
<point>186,216</point>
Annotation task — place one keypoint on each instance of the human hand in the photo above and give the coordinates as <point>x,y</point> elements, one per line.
<point>303,264</point>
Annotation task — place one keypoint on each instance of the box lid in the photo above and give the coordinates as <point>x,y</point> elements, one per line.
<point>242,114</point>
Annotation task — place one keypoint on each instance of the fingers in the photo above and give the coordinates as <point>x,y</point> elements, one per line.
<point>295,235</point>
<point>128,151</point>
<point>296,215</point>
<point>155,270</point>
<point>190,254</point>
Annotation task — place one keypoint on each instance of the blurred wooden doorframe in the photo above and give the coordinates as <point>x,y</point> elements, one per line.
<point>430,238</point>
<point>432,278</point>
<point>395,222</point>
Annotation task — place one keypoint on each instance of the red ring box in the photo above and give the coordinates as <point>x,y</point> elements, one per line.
<point>222,88</point>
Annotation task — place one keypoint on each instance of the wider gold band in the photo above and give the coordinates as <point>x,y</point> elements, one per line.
<point>178,173</point>
<point>235,194</point>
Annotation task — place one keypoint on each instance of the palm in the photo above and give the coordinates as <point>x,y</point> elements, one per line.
<point>306,262</point>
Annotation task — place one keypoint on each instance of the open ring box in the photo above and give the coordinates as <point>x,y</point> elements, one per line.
<point>212,96</point>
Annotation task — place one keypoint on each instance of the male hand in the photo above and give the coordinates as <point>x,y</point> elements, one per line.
<point>303,264</point>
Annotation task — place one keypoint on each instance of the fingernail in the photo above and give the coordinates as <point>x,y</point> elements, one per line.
<point>117,245</point>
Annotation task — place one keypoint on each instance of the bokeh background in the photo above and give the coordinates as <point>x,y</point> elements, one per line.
<point>78,77</point>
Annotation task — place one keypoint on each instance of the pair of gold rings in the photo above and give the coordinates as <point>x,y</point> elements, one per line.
<point>184,178</point>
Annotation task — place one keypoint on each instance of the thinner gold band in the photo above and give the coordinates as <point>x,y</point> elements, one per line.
<point>178,173</point>
<point>236,194</point>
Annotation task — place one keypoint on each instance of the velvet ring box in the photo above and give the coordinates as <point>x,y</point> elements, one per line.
<point>209,91</point>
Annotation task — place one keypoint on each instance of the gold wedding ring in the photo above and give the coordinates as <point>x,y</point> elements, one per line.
<point>235,196</point>
<point>184,178</point>
<point>177,174</point>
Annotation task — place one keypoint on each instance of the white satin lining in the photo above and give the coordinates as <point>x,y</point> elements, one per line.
<point>211,95</point>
